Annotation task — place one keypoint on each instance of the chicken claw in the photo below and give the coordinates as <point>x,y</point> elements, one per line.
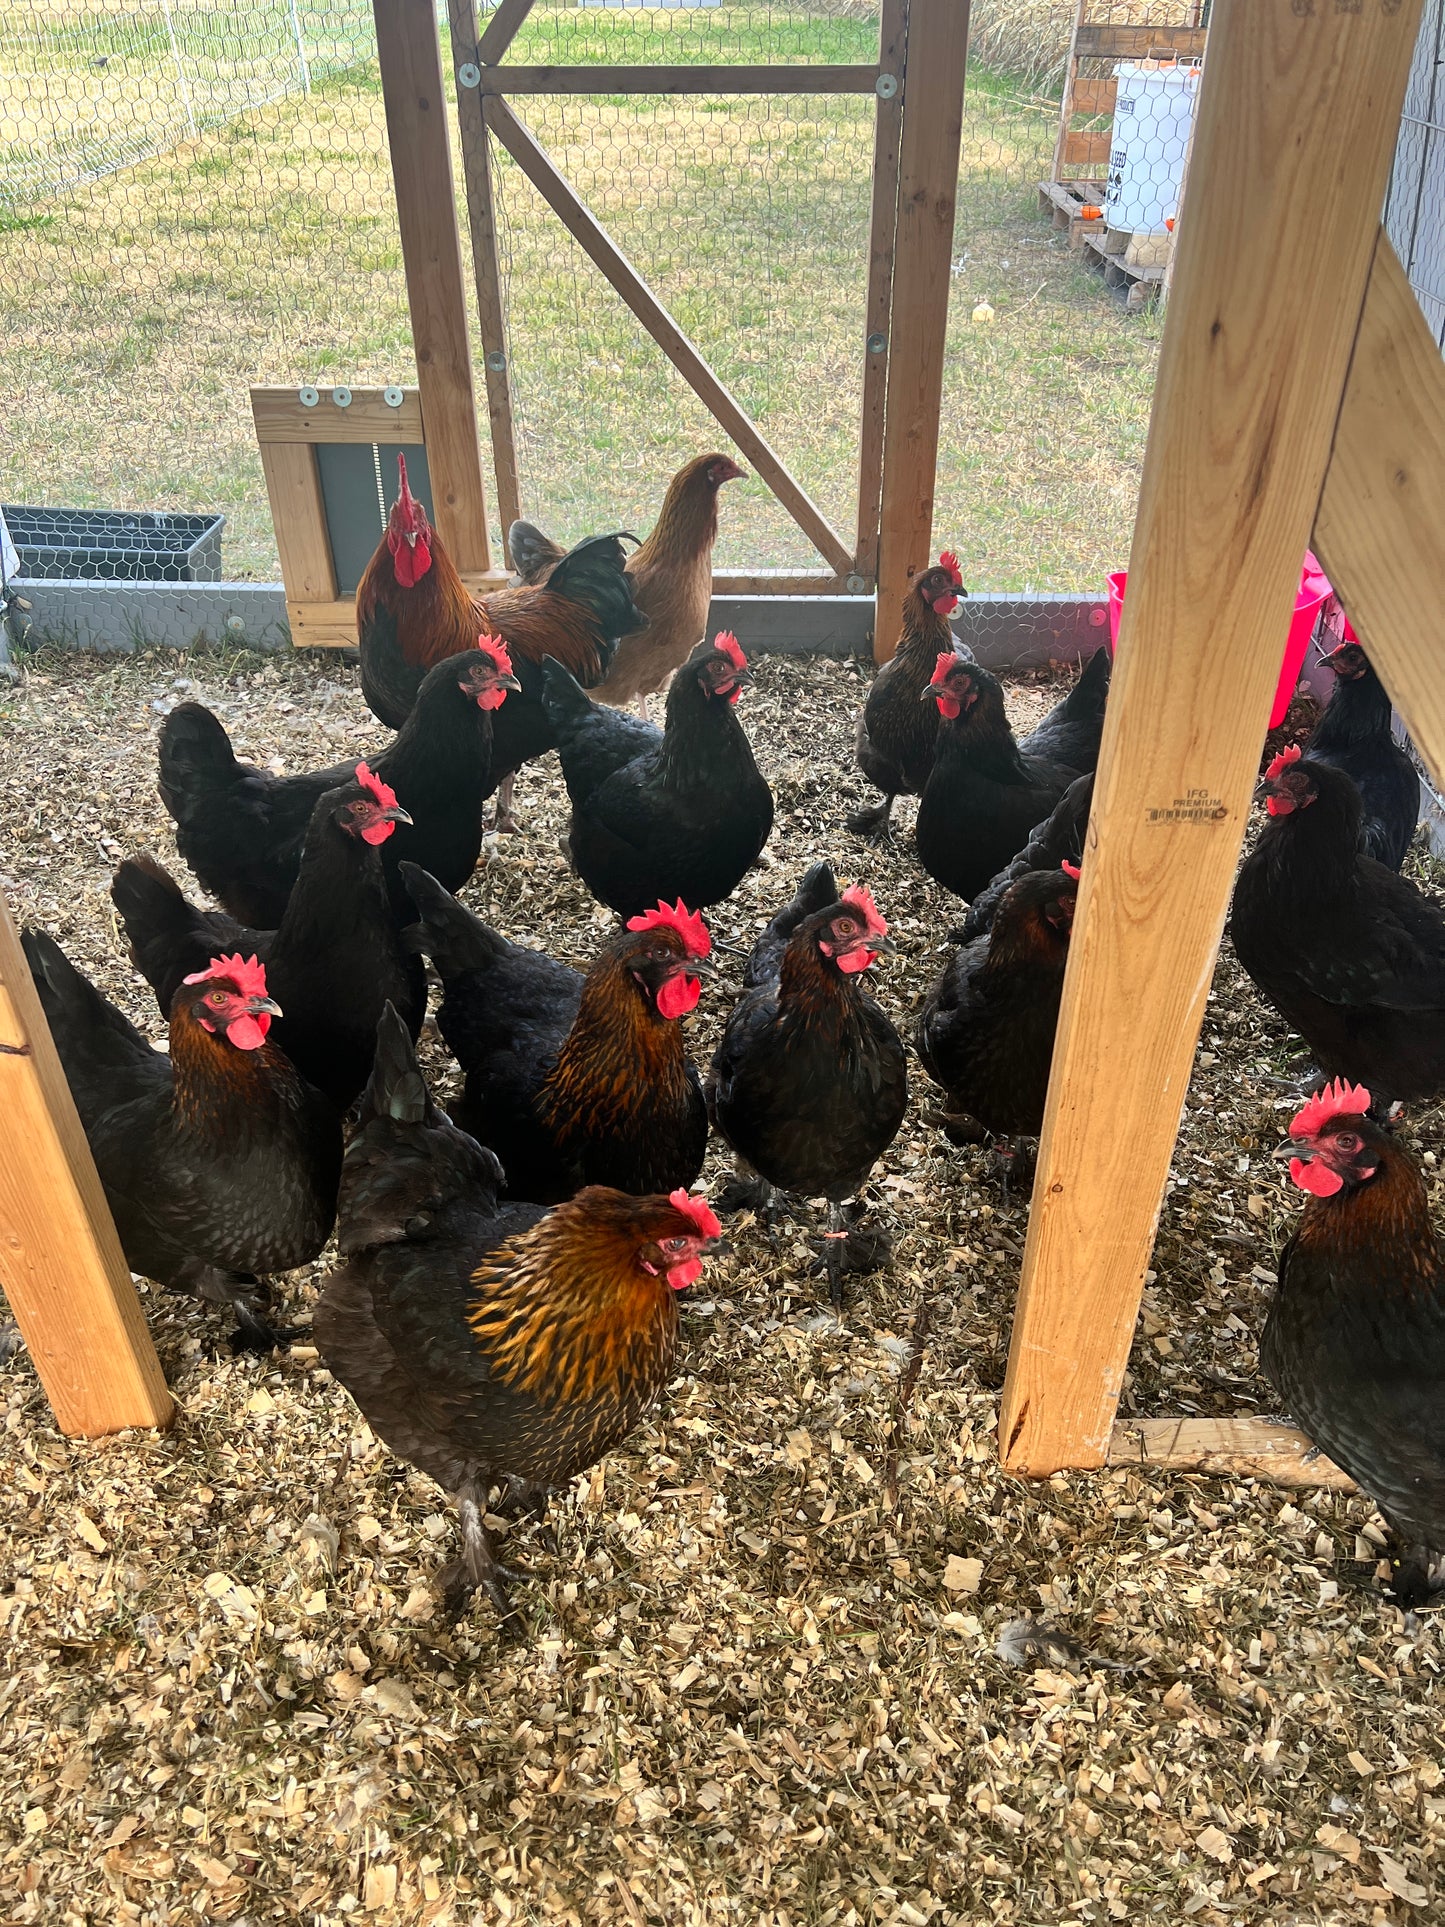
<point>479,1566</point>
<point>876,824</point>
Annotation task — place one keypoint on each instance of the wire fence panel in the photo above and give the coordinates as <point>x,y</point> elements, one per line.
<point>1415,210</point>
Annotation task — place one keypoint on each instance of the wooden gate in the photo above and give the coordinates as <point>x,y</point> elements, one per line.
<point>917,82</point>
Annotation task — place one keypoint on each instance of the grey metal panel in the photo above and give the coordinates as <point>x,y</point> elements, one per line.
<point>140,615</point>
<point>1003,632</point>
<point>358,480</point>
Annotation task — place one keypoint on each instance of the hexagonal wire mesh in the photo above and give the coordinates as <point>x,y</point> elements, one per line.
<point>200,193</point>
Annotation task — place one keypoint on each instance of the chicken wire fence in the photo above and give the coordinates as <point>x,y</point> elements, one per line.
<point>201,198</point>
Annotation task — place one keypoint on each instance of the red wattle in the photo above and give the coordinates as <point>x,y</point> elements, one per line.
<point>1279,805</point>
<point>948,706</point>
<point>945,605</point>
<point>678,996</point>
<point>248,1033</point>
<point>409,564</point>
<point>1316,1178</point>
<point>378,832</point>
<point>491,699</point>
<point>685,1274</point>
<point>852,961</point>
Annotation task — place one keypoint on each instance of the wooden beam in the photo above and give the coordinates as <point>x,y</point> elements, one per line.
<point>691,78</point>
<point>537,165</point>
<point>502,30</point>
<point>298,515</point>
<point>1297,109</point>
<point>281,416</point>
<point>421,165</point>
<point>882,236</point>
<point>486,268</point>
<point>61,1264</point>
<point>1094,94</point>
<point>927,189</point>
<point>1234,1448</point>
<point>1071,84</point>
<point>1379,531</point>
<point>1098,41</point>
<point>1087,147</point>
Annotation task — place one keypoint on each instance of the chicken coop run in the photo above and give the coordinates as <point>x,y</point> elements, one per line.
<point>1300,401</point>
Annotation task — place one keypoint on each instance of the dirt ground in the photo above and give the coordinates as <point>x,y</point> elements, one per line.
<point>764,1681</point>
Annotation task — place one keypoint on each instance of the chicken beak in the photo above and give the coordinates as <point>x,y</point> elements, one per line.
<point>1292,1148</point>
<point>262,1007</point>
<point>885,945</point>
<point>932,693</point>
<point>394,815</point>
<point>507,682</point>
<point>698,967</point>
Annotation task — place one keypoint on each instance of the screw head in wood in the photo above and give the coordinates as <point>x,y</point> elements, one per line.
<point>886,86</point>
<point>393,396</point>
<point>469,74</point>
<point>341,396</point>
<point>308,397</point>
<point>877,344</point>
<point>496,361</point>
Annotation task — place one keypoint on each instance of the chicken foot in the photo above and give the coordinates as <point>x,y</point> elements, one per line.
<point>874,824</point>
<point>504,823</point>
<point>253,1333</point>
<point>479,1566</point>
<point>848,1248</point>
<point>746,1191</point>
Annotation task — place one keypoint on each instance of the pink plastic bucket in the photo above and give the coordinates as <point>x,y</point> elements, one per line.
<point>1314,588</point>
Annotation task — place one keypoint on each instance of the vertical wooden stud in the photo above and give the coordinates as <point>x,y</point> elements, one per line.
<point>927,192</point>
<point>60,1260</point>
<point>1299,107</point>
<point>421,165</point>
<point>882,235</point>
<point>298,515</point>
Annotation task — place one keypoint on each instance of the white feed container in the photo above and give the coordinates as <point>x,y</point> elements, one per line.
<point>1153,112</point>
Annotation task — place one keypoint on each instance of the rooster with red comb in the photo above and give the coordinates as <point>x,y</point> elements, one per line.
<point>1350,954</point>
<point>896,730</point>
<point>219,1164</point>
<point>493,1344</point>
<point>809,1084</point>
<point>1354,1342</point>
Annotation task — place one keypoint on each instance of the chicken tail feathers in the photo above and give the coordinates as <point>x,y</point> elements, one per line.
<point>1090,693</point>
<point>90,1034</point>
<point>445,930</point>
<point>817,890</point>
<point>195,757</point>
<point>532,553</point>
<point>565,700</point>
<point>167,935</point>
<point>397,1088</point>
<point>594,574</point>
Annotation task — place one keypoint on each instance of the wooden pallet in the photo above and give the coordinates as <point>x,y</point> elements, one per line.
<point>1106,251</point>
<point>1064,202</point>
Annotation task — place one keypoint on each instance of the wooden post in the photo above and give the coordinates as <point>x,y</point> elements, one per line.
<point>60,1260</point>
<point>1299,108</point>
<point>927,190</point>
<point>882,238</point>
<point>421,165</point>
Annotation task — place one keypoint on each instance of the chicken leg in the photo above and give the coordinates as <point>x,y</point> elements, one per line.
<point>479,1565</point>
<point>848,1249</point>
<point>873,824</point>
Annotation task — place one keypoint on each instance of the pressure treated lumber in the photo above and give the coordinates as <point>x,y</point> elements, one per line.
<point>1297,109</point>
<point>1380,532</point>
<point>298,515</point>
<point>689,78</point>
<point>60,1259</point>
<point>542,171</point>
<point>927,191</point>
<point>882,231</point>
<point>281,416</point>
<point>501,30</point>
<point>421,165</point>
<point>1234,1448</point>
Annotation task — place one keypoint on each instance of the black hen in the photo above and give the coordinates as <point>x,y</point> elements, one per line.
<point>659,815</point>
<point>897,729</point>
<point>1350,954</point>
<point>241,829</point>
<point>987,791</point>
<point>1058,840</point>
<point>1354,735</point>
<point>1354,1342</point>
<point>218,1162</point>
<point>809,1084</point>
<point>574,1080</point>
<point>337,958</point>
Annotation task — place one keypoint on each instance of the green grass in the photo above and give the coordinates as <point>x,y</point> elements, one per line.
<point>141,308</point>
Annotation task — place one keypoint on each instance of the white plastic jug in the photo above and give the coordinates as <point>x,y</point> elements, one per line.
<point>1153,111</point>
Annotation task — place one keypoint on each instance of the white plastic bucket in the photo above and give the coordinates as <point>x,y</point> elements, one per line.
<point>1153,111</point>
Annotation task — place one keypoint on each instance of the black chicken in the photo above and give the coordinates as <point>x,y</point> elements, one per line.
<point>1057,841</point>
<point>1354,735</point>
<point>659,815</point>
<point>1354,1342</point>
<point>897,729</point>
<point>241,829</point>
<point>575,1080</point>
<point>809,1084</point>
<point>1351,955</point>
<point>337,958</point>
<point>218,1162</point>
<point>986,790</point>
<point>986,1035</point>
<point>493,1344</point>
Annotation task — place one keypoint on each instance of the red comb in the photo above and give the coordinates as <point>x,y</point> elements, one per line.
<point>497,650</point>
<point>676,916</point>
<point>1282,762</point>
<point>1334,1100</point>
<point>404,496</point>
<point>727,644</point>
<point>1070,870</point>
<point>383,794</point>
<point>948,560</point>
<point>862,900</point>
<point>699,1210</point>
<point>247,973</point>
<point>946,663</point>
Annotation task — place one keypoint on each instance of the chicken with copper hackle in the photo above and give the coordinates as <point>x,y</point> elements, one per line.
<point>670,576</point>
<point>1354,1341</point>
<point>897,730</point>
<point>987,791</point>
<point>242,830</point>
<point>1351,955</point>
<point>494,1345</point>
<point>219,1164</point>
<point>678,812</point>
<point>574,1080</point>
<point>1354,735</point>
<point>413,611</point>
<point>333,963</point>
<point>809,1083</point>
<point>986,1035</point>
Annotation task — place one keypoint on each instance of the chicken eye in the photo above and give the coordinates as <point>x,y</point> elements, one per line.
<point>674,1244</point>
<point>1347,1141</point>
<point>216,997</point>
<point>845,927</point>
